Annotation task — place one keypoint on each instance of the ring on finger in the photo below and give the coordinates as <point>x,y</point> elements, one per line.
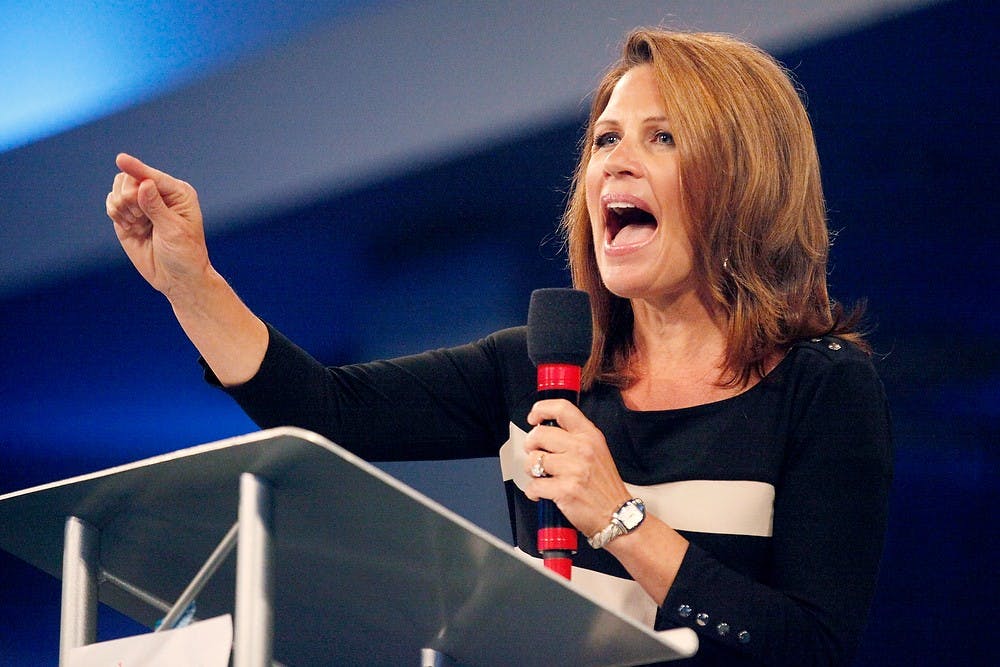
<point>538,469</point>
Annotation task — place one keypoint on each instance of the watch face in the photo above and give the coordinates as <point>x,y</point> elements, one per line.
<point>631,515</point>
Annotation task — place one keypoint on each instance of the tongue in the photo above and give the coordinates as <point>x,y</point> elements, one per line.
<point>633,234</point>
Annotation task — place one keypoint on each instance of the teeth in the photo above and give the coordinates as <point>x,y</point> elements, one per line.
<point>620,205</point>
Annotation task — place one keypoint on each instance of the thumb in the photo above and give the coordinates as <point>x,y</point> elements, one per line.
<point>151,202</point>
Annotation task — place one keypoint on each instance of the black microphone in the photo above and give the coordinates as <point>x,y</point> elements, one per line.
<point>560,333</point>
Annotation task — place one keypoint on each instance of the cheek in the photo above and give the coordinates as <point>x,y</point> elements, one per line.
<point>592,182</point>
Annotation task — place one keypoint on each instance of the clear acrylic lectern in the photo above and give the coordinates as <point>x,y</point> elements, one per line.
<point>337,563</point>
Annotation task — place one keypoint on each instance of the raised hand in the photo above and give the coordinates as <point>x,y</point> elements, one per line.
<point>159,224</point>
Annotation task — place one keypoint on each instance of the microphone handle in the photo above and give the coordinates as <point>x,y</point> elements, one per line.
<point>557,538</point>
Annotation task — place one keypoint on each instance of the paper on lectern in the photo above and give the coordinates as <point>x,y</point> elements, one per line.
<point>203,644</point>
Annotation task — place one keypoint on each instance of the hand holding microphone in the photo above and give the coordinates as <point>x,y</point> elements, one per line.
<point>559,339</point>
<point>565,442</point>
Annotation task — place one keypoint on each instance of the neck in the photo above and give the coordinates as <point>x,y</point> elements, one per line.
<point>684,338</point>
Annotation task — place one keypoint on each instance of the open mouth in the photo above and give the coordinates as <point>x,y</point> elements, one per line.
<point>627,224</point>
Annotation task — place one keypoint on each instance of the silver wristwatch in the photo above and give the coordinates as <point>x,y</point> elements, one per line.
<point>625,520</point>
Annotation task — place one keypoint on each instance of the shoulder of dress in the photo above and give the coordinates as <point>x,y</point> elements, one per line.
<point>514,339</point>
<point>831,348</point>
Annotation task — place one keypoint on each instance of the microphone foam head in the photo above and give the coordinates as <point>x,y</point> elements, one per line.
<point>559,327</point>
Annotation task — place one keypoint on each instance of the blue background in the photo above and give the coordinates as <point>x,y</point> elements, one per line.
<point>95,371</point>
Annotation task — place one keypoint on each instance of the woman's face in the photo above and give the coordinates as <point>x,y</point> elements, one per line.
<point>634,195</point>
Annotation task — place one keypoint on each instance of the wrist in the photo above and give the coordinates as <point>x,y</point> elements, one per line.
<point>627,518</point>
<point>231,339</point>
<point>192,292</point>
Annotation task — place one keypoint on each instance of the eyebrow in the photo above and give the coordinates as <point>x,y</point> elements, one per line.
<point>649,119</point>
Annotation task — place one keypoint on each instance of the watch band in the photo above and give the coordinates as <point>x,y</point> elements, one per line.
<point>617,528</point>
<point>605,535</point>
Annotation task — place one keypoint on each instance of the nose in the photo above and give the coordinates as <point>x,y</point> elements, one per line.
<point>623,159</point>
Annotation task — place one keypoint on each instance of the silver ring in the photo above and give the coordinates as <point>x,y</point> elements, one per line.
<point>538,470</point>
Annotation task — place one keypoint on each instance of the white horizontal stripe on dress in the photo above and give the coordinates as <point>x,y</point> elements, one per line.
<point>725,507</point>
<point>623,596</point>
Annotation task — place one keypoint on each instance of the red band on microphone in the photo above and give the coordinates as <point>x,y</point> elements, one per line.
<point>557,539</point>
<point>563,566</point>
<point>558,376</point>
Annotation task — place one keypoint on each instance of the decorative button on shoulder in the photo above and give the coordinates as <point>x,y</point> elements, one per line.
<point>701,619</point>
<point>684,611</point>
<point>834,346</point>
<point>743,637</point>
<point>722,629</point>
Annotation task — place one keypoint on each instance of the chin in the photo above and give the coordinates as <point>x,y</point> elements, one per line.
<point>625,288</point>
<point>632,286</point>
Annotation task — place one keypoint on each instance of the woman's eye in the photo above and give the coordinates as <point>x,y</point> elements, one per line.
<point>606,139</point>
<point>663,137</point>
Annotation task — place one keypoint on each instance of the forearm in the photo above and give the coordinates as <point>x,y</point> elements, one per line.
<point>652,554</point>
<point>435,405</point>
<point>230,338</point>
<point>742,620</point>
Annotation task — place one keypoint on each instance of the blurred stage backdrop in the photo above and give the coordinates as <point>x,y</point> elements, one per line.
<point>380,177</point>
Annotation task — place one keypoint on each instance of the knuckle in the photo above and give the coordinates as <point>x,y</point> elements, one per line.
<point>572,495</point>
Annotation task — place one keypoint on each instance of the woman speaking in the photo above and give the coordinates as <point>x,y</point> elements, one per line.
<point>729,409</point>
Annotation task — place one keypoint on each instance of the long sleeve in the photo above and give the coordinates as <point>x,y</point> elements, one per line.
<point>437,405</point>
<point>830,509</point>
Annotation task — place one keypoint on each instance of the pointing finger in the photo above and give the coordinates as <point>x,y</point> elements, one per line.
<point>140,171</point>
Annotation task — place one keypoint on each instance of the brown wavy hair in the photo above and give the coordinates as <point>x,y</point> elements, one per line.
<point>751,193</point>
